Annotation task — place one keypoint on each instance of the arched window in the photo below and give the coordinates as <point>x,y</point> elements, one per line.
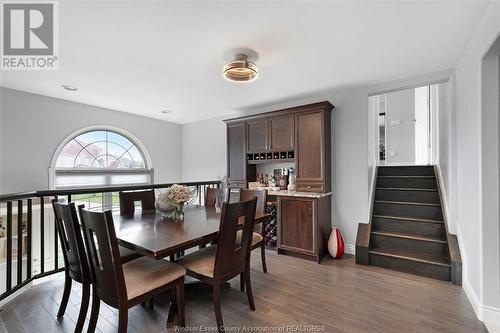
<point>100,157</point>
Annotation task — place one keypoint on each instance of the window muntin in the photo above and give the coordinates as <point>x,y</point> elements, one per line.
<point>100,157</point>
<point>100,149</point>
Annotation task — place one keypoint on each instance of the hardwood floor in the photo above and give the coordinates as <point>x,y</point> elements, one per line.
<point>340,295</point>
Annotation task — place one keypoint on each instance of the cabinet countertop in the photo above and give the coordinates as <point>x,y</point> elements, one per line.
<point>284,193</point>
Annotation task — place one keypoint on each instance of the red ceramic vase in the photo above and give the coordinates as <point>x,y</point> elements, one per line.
<point>336,244</point>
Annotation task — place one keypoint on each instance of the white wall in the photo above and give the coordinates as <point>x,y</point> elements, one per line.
<point>204,150</point>
<point>1,117</point>
<point>32,126</point>
<point>400,138</point>
<point>445,158</point>
<point>468,205</point>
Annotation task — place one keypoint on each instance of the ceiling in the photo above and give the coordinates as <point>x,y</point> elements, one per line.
<point>146,56</point>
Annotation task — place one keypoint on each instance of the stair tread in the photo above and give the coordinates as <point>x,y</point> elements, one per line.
<point>406,177</point>
<point>405,218</point>
<point>424,258</point>
<point>406,189</point>
<point>409,235</point>
<point>412,203</point>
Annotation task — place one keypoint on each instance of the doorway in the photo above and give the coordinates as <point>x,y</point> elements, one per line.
<point>404,126</point>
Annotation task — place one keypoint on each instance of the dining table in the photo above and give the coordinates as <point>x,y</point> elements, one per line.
<point>150,234</point>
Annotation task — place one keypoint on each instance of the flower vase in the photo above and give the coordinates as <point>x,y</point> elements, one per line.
<point>179,211</point>
<point>165,208</point>
<point>336,244</point>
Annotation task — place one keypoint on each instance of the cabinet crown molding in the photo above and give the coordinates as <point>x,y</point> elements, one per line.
<point>325,105</point>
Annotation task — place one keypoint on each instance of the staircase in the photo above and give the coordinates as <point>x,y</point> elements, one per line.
<point>407,230</point>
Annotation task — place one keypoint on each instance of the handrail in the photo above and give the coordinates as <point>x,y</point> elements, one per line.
<point>17,196</point>
<point>87,190</point>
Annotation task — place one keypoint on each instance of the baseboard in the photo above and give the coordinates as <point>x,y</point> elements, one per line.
<point>491,315</point>
<point>15,294</point>
<point>350,249</point>
<point>474,300</point>
<point>485,313</point>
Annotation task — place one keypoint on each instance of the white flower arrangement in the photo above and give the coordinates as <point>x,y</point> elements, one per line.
<point>176,194</point>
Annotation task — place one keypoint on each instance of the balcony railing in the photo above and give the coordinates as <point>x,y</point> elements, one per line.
<point>29,244</point>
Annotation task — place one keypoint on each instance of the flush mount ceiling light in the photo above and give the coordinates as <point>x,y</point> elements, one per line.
<point>68,87</point>
<point>240,69</point>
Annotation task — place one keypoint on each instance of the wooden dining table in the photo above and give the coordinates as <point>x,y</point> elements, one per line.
<point>149,234</point>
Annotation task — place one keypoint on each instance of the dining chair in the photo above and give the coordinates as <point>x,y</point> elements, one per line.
<point>123,286</point>
<point>75,257</point>
<point>258,238</point>
<point>213,193</point>
<point>128,199</point>
<point>219,263</point>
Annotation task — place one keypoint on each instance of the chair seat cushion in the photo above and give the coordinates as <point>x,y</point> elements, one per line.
<point>144,274</point>
<point>201,262</point>
<point>256,237</point>
<point>127,255</point>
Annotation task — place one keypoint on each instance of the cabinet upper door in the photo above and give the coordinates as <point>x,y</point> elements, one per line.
<point>236,159</point>
<point>281,133</point>
<point>257,135</point>
<point>310,147</point>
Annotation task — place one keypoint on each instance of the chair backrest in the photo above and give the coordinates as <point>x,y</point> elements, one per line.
<point>214,193</point>
<point>70,235</point>
<point>104,256</point>
<point>231,256</point>
<point>261,196</point>
<point>128,199</point>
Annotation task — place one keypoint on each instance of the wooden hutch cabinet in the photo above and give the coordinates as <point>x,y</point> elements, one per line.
<point>299,136</point>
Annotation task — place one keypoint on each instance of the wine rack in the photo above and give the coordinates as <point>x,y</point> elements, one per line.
<point>280,156</point>
<point>271,231</point>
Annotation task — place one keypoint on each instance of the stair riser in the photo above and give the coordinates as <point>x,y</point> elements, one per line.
<point>420,228</point>
<point>409,245</point>
<point>407,196</point>
<point>407,266</point>
<point>406,171</point>
<point>428,183</point>
<point>412,211</point>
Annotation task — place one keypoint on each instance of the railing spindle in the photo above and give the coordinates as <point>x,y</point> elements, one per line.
<point>42,235</point>
<point>56,242</point>
<point>19,242</point>
<point>198,187</point>
<point>8,262</point>
<point>29,231</point>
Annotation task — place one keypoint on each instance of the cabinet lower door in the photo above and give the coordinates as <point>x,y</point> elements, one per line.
<point>297,225</point>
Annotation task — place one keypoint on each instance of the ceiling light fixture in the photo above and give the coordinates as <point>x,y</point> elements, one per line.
<point>68,87</point>
<point>240,69</point>
<point>166,111</point>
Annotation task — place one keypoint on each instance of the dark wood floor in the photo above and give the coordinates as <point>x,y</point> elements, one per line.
<point>340,295</point>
